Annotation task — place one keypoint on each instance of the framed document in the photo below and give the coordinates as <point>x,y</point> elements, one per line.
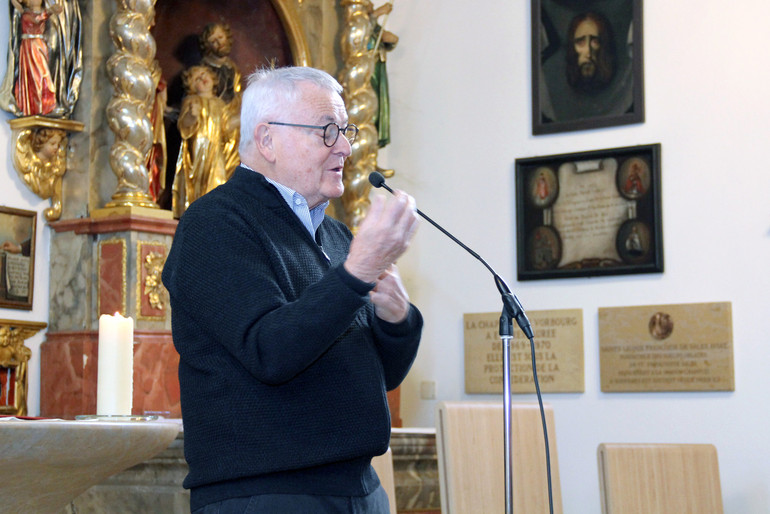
<point>17,257</point>
<point>589,213</point>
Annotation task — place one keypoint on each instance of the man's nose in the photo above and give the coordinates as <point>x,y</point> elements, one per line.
<point>343,146</point>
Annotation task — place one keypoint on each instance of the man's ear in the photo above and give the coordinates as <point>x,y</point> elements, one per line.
<point>264,141</point>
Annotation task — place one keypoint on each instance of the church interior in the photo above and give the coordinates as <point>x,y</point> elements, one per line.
<point>619,215</point>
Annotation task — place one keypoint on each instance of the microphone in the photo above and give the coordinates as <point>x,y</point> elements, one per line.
<point>512,305</point>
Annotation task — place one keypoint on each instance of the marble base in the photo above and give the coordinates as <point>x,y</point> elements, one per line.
<point>415,469</point>
<point>68,386</point>
<point>156,484</point>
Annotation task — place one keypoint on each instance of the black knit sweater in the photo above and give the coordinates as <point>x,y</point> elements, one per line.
<point>283,365</point>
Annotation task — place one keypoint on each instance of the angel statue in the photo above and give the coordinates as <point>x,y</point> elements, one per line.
<point>207,126</point>
<point>44,59</point>
<point>41,160</point>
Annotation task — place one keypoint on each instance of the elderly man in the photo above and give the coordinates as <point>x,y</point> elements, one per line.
<point>290,331</point>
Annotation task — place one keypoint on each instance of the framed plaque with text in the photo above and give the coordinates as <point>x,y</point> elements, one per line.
<point>558,346</point>
<point>589,213</point>
<point>678,347</point>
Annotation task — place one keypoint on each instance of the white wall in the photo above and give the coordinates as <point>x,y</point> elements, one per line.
<point>461,95</point>
<point>15,193</point>
<point>460,89</point>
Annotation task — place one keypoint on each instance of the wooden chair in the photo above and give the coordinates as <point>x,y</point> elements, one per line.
<point>383,465</point>
<point>470,446</point>
<point>659,479</point>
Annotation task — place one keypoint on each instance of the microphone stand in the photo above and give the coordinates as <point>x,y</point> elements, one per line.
<point>512,310</point>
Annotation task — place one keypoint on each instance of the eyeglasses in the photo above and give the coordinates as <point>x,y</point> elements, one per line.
<point>332,131</point>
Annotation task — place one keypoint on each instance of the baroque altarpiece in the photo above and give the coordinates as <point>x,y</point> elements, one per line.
<point>110,232</point>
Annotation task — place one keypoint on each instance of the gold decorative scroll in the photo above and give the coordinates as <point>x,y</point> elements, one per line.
<point>289,16</point>
<point>361,101</point>
<point>151,296</point>
<point>128,113</point>
<point>40,156</point>
<point>14,357</point>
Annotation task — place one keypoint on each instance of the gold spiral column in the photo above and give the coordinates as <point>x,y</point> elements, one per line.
<point>361,102</point>
<point>128,113</point>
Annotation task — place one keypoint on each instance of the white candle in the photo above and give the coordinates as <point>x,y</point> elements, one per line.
<point>115,379</point>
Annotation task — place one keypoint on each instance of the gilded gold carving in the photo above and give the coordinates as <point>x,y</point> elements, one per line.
<point>289,16</point>
<point>209,128</point>
<point>150,286</point>
<point>362,105</point>
<point>40,156</point>
<point>14,357</point>
<point>153,287</point>
<point>130,69</point>
<point>150,258</point>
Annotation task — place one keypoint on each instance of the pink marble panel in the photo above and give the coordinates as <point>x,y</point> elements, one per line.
<point>68,381</point>
<point>156,383</point>
<point>112,277</point>
<point>68,374</point>
<point>117,223</point>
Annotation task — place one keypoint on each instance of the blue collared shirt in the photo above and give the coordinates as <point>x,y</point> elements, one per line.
<point>310,218</point>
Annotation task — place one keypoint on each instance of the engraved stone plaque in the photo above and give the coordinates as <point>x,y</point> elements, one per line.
<point>684,347</point>
<point>558,353</point>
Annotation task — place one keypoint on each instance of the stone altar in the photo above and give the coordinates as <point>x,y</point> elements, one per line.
<point>47,463</point>
<point>157,482</point>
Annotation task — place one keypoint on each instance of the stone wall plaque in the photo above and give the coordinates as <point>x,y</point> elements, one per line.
<point>685,347</point>
<point>558,353</point>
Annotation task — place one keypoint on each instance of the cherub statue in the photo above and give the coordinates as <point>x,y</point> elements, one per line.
<point>41,160</point>
<point>44,59</point>
<point>206,124</point>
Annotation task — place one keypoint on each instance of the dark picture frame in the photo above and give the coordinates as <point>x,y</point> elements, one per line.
<point>589,214</point>
<point>609,91</point>
<point>17,257</point>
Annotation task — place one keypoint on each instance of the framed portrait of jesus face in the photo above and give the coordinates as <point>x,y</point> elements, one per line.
<point>586,65</point>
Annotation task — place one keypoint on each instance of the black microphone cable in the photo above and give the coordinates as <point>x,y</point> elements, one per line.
<point>512,306</point>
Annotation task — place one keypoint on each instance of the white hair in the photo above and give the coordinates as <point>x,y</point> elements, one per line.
<point>270,91</point>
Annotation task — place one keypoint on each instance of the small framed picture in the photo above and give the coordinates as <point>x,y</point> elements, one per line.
<point>17,257</point>
<point>587,69</point>
<point>589,213</point>
<point>9,384</point>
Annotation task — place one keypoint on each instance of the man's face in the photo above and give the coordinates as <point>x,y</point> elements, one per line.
<point>587,45</point>
<point>303,162</point>
<point>218,43</point>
